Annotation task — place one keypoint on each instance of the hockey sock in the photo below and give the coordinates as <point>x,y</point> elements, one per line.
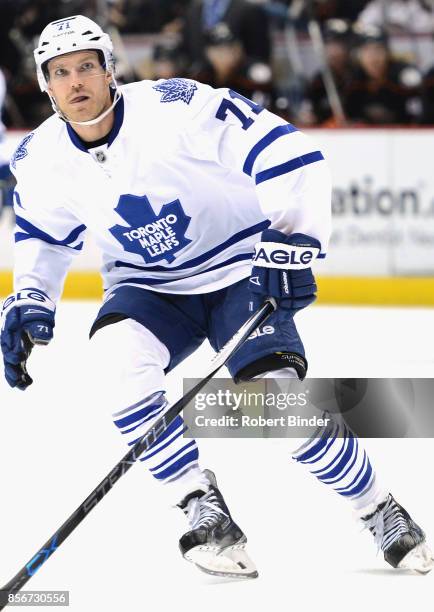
<point>335,456</point>
<point>171,457</point>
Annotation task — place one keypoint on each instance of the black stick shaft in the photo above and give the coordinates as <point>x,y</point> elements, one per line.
<point>34,564</point>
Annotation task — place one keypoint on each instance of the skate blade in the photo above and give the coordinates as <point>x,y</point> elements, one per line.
<point>231,562</point>
<point>420,559</point>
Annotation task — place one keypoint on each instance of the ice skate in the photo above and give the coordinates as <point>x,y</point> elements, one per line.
<point>215,544</point>
<point>399,537</point>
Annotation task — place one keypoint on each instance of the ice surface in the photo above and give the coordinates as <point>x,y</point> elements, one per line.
<point>57,442</point>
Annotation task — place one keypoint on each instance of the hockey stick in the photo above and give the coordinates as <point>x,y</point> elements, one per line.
<point>32,566</point>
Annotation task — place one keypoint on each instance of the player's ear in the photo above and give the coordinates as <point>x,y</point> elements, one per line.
<point>47,77</point>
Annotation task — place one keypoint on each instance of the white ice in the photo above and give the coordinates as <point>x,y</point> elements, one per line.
<point>57,442</point>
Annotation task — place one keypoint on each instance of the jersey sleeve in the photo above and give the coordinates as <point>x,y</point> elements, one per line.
<point>291,177</point>
<point>47,236</point>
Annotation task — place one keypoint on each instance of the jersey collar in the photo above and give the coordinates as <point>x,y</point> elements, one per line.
<point>117,124</point>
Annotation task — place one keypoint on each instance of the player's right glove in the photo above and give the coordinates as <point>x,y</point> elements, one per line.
<point>27,319</point>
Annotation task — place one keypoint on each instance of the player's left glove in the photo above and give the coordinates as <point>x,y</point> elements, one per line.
<point>281,269</point>
<point>27,319</point>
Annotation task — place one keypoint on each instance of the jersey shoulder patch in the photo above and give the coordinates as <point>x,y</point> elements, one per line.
<point>21,151</point>
<point>176,89</point>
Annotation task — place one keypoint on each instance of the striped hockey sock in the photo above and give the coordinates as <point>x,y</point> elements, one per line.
<point>335,456</point>
<point>171,456</point>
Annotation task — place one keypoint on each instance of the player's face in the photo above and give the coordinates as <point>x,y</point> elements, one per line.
<point>79,84</point>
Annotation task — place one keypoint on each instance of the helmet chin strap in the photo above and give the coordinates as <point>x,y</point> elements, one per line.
<point>62,115</point>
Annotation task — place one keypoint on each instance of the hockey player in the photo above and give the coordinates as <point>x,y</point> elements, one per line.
<point>179,183</point>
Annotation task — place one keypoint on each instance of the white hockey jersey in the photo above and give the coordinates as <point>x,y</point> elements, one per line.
<point>177,197</point>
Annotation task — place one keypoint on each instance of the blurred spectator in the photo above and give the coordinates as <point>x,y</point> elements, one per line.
<point>339,9</point>
<point>337,41</point>
<point>227,65</point>
<point>411,16</point>
<point>428,97</point>
<point>383,90</point>
<point>145,16</point>
<point>26,19</point>
<point>247,21</point>
<point>167,62</point>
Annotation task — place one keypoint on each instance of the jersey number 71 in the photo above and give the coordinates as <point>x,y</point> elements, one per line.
<point>229,106</point>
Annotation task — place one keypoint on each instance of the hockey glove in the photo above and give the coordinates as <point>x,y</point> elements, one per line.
<point>281,269</point>
<point>27,319</point>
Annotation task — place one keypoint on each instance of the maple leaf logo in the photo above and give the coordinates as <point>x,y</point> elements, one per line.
<point>176,89</point>
<point>153,237</point>
<point>21,150</point>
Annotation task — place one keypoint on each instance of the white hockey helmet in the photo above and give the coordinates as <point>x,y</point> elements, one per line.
<point>76,33</point>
